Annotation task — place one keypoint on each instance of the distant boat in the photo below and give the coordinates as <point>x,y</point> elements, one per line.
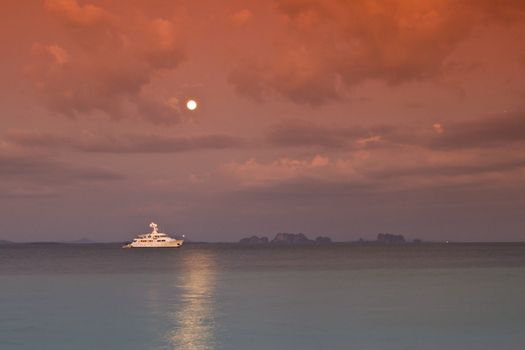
<point>154,239</point>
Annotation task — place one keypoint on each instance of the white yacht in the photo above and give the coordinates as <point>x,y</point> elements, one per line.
<point>154,239</point>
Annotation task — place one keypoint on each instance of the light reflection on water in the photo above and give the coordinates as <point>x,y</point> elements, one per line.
<point>193,321</point>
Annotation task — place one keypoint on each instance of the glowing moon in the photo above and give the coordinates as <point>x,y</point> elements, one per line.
<point>191,105</point>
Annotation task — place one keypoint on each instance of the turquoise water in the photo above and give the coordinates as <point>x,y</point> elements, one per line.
<point>220,296</point>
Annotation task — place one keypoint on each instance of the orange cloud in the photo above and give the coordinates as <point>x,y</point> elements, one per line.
<point>108,63</point>
<point>438,128</point>
<point>61,56</point>
<point>241,17</point>
<point>328,47</point>
<point>74,13</point>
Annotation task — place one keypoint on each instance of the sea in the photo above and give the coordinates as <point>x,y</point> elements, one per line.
<point>230,296</point>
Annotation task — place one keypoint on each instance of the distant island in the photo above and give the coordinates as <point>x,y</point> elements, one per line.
<point>299,238</point>
<point>286,238</point>
<point>389,238</point>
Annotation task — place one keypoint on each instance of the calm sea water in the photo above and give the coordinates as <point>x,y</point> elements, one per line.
<point>220,296</point>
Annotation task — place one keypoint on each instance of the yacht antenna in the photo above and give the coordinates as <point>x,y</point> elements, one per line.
<point>154,227</point>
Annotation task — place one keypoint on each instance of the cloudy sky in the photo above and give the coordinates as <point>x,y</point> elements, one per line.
<point>341,118</point>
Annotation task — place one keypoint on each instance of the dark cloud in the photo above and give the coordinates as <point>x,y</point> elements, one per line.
<point>306,187</point>
<point>450,170</point>
<point>128,143</point>
<point>304,133</point>
<point>492,131</point>
<point>499,130</point>
<point>14,193</point>
<point>485,132</point>
<point>36,170</point>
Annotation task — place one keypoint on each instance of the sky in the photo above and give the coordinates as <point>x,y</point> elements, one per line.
<point>338,118</point>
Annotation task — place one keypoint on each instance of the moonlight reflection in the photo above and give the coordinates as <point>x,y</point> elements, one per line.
<point>194,320</point>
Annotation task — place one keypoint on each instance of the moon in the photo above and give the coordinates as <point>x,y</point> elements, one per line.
<point>191,105</point>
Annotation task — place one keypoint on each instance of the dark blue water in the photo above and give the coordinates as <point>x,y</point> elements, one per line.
<point>233,297</point>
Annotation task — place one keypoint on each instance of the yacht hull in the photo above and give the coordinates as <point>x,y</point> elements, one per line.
<point>173,244</point>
